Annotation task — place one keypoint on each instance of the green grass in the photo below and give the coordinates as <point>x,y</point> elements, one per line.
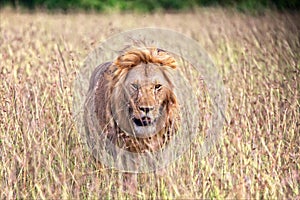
<point>42,155</point>
<point>252,6</point>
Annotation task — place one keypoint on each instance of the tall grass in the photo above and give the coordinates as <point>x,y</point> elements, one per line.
<point>42,155</point>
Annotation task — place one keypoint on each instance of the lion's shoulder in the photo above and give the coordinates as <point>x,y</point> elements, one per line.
<point>99,84</point>
<point>98,74</point>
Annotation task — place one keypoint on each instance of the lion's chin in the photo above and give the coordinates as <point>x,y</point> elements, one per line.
<point>144,131</point>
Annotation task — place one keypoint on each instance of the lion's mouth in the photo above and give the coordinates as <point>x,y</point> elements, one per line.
<point>144,121</point>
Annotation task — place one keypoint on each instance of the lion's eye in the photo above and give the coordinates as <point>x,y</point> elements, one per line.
<point>134,86</point>
<point>158,87</point>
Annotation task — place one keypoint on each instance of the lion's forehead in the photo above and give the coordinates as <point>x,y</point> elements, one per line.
<point>146,74</point>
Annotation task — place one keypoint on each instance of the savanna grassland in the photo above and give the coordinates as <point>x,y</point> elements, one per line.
<point>43,157</point>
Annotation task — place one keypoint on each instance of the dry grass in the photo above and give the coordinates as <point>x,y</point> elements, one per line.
<point>42,155</point>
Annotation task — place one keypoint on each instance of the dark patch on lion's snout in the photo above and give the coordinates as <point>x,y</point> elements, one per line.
<point>146,109</point>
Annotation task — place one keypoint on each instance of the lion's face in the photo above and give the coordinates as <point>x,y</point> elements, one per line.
<point>146,101</point>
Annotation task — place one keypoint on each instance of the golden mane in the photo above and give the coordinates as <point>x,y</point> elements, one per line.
<point>150,55</point>
<point>134,57</point>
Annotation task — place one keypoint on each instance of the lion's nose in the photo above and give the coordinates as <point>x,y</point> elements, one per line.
<point>146,109</point>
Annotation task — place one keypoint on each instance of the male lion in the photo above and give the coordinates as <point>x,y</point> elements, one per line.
<point>134,99</point>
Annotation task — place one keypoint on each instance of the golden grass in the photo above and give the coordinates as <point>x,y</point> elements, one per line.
<point>42,155</point>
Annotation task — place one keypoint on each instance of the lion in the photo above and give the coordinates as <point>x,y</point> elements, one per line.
<point>135,102</point>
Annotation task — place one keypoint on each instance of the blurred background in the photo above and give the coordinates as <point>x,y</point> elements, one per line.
<point>150,5</point>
